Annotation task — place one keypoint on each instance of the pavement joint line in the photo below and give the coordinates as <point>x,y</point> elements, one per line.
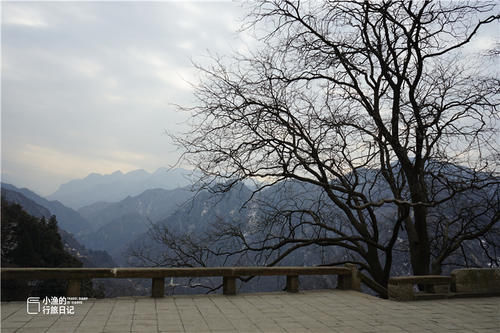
<point>179,314</point>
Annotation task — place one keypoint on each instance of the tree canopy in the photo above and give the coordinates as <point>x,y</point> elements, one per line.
<point>377,105</point>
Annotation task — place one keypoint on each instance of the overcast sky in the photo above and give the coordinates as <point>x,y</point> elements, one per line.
<point>89,87</point>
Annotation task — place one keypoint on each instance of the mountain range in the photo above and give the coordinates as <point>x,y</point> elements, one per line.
<point>117,186</point>
<point>117,224</point>
<point>68,219</point>
<point>108,226</point>
<point>88,257</point>
<point>115,213</point>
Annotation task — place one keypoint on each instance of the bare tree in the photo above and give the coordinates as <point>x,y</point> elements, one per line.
<point>378,107</point>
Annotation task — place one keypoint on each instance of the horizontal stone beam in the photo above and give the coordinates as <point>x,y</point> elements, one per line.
<point>401,288</point>
<point>142,272</point>
<point>476,280</point>
<point>55,273</point>
<point>420,279</point>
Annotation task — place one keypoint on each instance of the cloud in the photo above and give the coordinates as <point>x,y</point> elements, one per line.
<point>90,86</point>
<point>74,164</point>
<point>23,15</point>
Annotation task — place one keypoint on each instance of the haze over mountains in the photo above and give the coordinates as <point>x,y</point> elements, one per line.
<point>117,186</point>
<point>116,224</point>
<point>68,219</point>
<point>114,214</point>
<point>114,209</point>
<point>88,257</point>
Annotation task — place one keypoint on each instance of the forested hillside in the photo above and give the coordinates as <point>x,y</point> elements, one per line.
<point>28,241</point>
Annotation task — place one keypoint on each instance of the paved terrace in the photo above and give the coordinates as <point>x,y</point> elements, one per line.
<point>307,311</point>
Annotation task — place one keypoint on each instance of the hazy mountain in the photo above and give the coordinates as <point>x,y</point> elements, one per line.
<point>153,205</point>
<point>67,218</point>
<point>117,186</point>
<point>89,258</point>
<point>28,205</point>
<point>117,224</point>
<point>92,212</point>
<point>115,235</point>
<point>197,215</point>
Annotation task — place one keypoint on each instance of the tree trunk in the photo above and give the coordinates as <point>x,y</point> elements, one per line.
<point>420,254</point>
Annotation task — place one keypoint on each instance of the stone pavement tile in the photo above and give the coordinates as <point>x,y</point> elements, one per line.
<point>421,328</point>
<point>344,329</point>
<point>120,320</point>
<point>7,309</point>
<point>271,329</point>
<point>96,317</point>
<point>21,316</point>
<point>40,323</point>
<point>60,330</point>
<point>488,324</point>
<point>115,329</point>
<point>13,324</point>
<point>125,325</point>
<point>244,324</point>
<point>169,321</point>
<point>65,325</point>
<point>30,330</point>
<point>312,324</point>
<point>388,329</point>
<point>220,326</point>
<point>144,316</point>
<point>88,330</point>
<point>319,311</point>
<point>297,330</point>
<point>144,322</point>
<point>9,329</point>
<point>324,330</point>
<point>95,327</point>
<point>175,328</point>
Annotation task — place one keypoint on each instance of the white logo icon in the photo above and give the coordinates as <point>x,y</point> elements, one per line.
<point>33,305</point>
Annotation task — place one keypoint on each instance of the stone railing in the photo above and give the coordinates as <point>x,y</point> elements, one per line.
<point>348,277</point>
<point>469,282</point>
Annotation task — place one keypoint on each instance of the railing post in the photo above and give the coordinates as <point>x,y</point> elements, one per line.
<point>350,281</point>
<point>158,287</point>
<point>292,283</point>
<point>400,291</point>
<point>229,285</point>
<point>73,289</point>
<point>355,277</point>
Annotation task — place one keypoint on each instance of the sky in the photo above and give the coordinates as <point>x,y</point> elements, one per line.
<point>92,86</point>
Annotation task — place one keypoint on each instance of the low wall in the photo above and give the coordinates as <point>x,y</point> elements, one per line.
<point>467,282</point>
<point>476,280</point>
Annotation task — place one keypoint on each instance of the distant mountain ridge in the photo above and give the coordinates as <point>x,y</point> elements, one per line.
<point>67,218</point>
<point>117,186</point>
<point>116,224</point>
<point>89,258</point>
<point>153,204</point>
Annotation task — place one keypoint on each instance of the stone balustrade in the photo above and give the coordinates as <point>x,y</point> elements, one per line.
<point>348,277</point>
<point>468,282</point>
